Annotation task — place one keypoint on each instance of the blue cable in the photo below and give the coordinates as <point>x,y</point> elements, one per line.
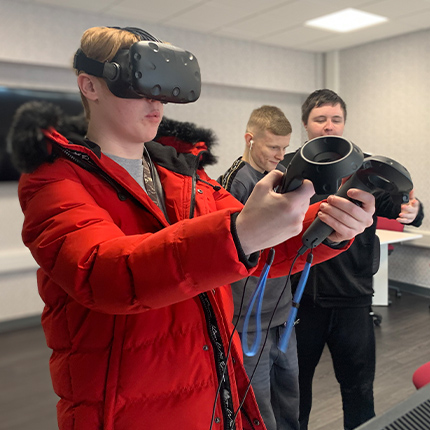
<point>283,343</point>
<point>258,293</point>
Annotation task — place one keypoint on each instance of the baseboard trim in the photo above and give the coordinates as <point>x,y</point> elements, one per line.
<point>19,323</point>
<point>410,288</point>
<point>34,321</point>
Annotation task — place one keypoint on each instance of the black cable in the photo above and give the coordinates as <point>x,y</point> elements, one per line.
<point>265,338</point>
<point>228,354</point>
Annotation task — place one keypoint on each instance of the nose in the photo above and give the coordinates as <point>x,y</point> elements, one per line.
<point>153,101</point>
<point>328,125</point>
<point>279,155</point>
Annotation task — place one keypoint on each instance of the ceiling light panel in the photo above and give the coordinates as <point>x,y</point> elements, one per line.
<point>346,20</point>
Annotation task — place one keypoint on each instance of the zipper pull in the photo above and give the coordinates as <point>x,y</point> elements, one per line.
<point>215,187</point>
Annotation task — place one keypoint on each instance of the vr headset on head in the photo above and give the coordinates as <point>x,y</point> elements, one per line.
<point>149,69</point>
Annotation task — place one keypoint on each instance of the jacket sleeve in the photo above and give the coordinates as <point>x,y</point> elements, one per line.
<point>286,252</point>
<point>388,207</point>
<point>80,248</point>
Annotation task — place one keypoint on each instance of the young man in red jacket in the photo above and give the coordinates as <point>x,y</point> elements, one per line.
<point>137,247</point>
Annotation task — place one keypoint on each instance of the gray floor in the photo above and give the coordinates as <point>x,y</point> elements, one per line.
<point>403,343</point>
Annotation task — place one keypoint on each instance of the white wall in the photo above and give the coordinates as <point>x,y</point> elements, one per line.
<point>386,87</point>
<point>37,48</point>
<point>18,291</point>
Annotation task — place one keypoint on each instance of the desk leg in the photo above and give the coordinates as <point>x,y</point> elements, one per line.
<point>380,280</point>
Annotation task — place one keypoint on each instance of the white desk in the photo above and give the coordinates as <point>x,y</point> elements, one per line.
<point>380,279</point>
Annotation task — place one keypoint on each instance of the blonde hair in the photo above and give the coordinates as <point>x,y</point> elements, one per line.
<point>102,44</point>
<point>269,118</point>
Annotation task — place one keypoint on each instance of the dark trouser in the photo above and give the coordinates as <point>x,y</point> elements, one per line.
<point>275,382</point>
<point>349,335</point>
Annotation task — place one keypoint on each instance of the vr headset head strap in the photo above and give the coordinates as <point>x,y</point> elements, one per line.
<point>142,34</point>
<point>108,70</point>
<point>93,67</point>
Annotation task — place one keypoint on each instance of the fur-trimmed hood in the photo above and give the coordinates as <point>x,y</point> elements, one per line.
<point>28,147</point>
<point>26,142</point>
<point>189,138</point>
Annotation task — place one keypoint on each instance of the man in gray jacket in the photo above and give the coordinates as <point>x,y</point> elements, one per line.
<point>275,382</point>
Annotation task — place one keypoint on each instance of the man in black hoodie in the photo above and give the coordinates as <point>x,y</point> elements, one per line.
<point>336,305</point>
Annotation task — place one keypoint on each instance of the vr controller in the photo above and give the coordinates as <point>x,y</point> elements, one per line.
<point>149,69</point>
<point>376,173</point>
<point>324,161</point>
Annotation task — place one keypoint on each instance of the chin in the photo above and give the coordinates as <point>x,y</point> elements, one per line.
<point>151,132</point>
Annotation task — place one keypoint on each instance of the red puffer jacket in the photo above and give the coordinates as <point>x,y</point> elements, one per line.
<point>134,312</point>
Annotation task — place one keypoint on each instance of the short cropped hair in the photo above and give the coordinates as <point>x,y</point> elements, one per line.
<point>269,118</point>
<point>319,98</point>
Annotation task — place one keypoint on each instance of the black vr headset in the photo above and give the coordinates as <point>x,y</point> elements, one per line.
<point>149,69</point>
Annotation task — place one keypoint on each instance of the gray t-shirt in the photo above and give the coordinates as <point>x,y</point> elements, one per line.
<point>135,168</point>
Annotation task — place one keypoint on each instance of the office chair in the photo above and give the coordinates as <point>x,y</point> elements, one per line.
<point>421,376</point>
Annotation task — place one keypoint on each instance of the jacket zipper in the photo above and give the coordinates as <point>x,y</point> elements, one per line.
<point>87,163</point>
<point>195,177</point>
<point>215,187</point>
<point>193,195</point>
<point>225,395</point>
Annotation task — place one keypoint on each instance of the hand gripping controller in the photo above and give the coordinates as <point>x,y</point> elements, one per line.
<point>324,161</point>
<point>376,173</point>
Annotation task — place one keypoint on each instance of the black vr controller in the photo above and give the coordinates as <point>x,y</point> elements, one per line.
<point>376,173</point>
<point>324,161</point>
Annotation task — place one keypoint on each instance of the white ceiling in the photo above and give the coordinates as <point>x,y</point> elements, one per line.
<point>273,22</point>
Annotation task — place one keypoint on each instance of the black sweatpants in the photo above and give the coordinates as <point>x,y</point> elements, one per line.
<point>349,335</point>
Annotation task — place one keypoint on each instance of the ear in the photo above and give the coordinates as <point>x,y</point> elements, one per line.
<point>88,86</point>
<point>248,138</point>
